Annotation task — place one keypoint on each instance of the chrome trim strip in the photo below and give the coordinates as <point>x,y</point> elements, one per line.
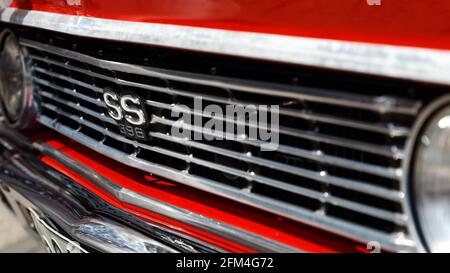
<point>196,220</point>
<point>418,64</point>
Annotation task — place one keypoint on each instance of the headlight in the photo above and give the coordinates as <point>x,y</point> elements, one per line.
<point>16,94</point>
<point>11,79</point>
<point>431,180</point>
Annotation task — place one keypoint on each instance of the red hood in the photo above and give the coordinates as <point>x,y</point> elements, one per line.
<point>400,22</point>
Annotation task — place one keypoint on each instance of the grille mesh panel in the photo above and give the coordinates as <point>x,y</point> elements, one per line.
<point>338,165</point>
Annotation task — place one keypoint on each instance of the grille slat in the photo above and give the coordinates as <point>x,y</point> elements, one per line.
<point>338,165</point>
<point>68,79</point>
<point>68,91</point>
<point>77,107</point>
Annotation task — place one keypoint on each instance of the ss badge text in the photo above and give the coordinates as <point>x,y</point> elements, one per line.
<point>129,113</point>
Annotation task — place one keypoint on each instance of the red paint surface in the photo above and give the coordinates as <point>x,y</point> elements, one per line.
<point>399,22</point>
<point>232,213</point>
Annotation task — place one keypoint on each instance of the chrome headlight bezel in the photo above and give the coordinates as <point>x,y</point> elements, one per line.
<point>424,121</point>
<point>26,118</point>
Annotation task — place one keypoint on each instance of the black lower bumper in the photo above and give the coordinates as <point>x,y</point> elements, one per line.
<point>68,217</point>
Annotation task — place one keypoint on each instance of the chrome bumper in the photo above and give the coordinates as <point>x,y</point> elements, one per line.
<point>28,186</point>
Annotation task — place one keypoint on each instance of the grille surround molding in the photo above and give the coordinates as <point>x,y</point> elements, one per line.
<point>399,244</point>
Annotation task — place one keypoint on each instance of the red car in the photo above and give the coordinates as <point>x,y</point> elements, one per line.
<point>227,125</point>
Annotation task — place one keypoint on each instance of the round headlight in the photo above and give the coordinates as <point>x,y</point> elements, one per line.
<point>431,180</point>
<point>16,97</point>
<point>11,79</point>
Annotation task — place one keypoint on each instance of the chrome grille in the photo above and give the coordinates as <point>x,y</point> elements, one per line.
<point>338,165</point>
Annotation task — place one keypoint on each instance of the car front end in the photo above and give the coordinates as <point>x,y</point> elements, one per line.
<point>224,127</point>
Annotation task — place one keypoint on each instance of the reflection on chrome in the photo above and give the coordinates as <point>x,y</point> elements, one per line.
<point>54,241</point>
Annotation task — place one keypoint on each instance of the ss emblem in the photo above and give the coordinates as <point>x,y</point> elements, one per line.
<point>128,111</point>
